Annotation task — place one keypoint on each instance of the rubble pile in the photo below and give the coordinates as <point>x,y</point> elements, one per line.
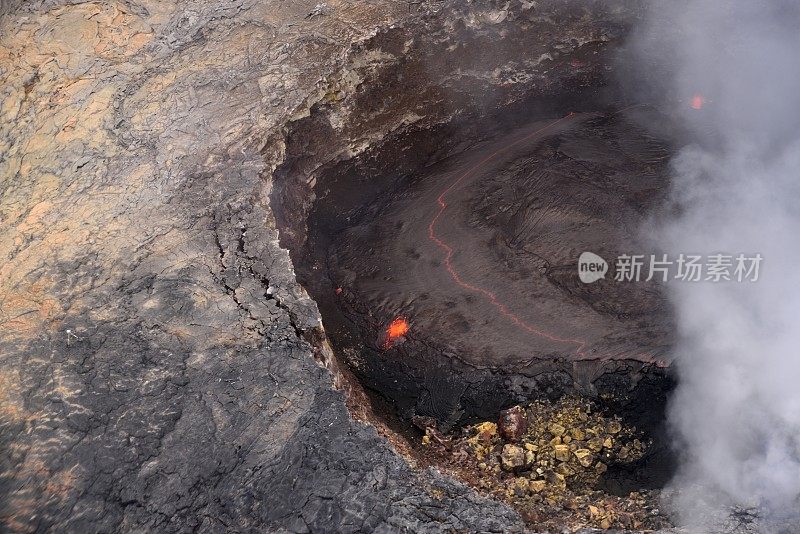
<point>548,460</point>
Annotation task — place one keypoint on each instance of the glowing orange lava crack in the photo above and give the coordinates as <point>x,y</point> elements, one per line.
<point>500,306</point>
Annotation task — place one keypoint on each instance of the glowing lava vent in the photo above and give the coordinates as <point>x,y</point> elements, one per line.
<point>395,332</point>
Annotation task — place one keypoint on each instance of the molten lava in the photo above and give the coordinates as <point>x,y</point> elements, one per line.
<point>396,329</point>
<point>697,102</point>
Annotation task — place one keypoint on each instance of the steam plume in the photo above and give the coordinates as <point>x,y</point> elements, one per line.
<point>736,188</point>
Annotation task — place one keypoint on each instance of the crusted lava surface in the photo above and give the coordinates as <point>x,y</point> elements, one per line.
<point>478,252</point>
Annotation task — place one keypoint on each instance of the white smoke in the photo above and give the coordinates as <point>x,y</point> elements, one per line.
<point>736,189</point>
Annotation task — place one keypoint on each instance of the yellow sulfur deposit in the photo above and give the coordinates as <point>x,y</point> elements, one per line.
<point>556,465</point>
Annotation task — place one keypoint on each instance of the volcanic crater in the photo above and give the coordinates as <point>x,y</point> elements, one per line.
<point>437,224</point>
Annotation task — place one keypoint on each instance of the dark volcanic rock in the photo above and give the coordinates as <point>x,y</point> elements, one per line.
<point>512,423</point>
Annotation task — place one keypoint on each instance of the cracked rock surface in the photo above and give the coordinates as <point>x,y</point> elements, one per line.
<point>158,362</point>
